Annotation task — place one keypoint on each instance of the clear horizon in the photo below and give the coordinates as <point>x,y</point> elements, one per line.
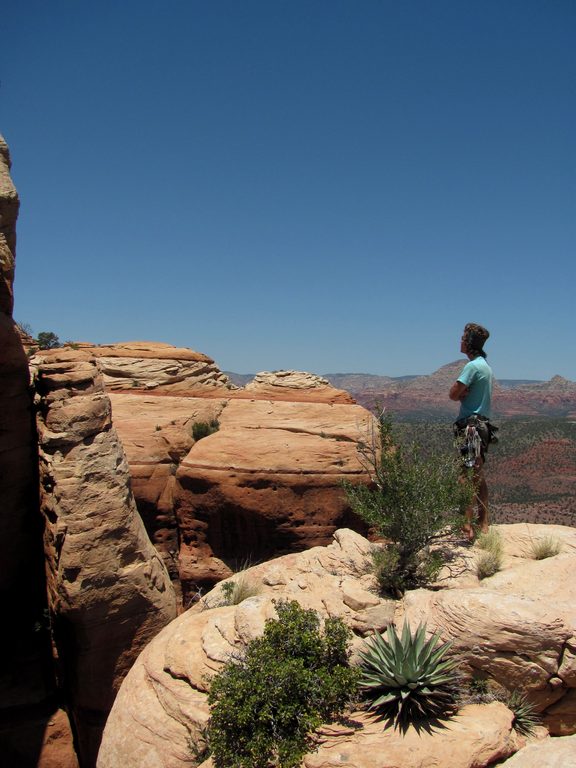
<point>310,185</point>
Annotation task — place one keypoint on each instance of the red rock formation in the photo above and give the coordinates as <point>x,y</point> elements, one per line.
<point>290,439</point>
<point>268,482</point>
<point>156,433</point>
<point>109,592</point>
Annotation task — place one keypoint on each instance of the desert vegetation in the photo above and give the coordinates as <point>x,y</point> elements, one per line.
<point>491,553</point>
<point>413,501</point>
<point>201,429</point>
<point>267,702</point>
<point>407,679</point>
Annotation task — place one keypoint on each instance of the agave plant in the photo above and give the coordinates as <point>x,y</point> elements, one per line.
<point>526,719</point>
<point>409,679</point>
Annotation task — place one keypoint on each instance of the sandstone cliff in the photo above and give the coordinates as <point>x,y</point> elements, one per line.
<point>108,590</point>
<point>27,686</point>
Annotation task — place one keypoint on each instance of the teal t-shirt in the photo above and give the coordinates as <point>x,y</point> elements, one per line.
<point>477,376</point>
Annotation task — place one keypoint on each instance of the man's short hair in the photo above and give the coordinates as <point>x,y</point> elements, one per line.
<point>475,335</point>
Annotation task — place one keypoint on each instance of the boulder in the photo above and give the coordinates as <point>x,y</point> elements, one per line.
<point>298,386</point>
<point>517,627</point>
<point>550,753</point>
<point>109,592</point>
<point>518,635</point>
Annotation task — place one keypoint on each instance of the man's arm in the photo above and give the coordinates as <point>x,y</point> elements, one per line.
<point>458,391</point>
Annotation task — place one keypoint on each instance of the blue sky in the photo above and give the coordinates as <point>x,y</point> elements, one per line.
<point>325,185</point>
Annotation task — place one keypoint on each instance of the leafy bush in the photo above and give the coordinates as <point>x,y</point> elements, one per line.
<point>413,500</point>
<point>526,718</point>
<point>546,547</point>
<point>202,429</point>
<point>409,679</point>
<point>267,703</point>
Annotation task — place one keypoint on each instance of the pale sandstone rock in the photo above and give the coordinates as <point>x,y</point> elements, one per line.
<point>477,736</point>
<point>161,706</point>
<point>294,385</point>
<point>517,627</point>
<point>551,753</point>
<point>109,593</point>
<point>157,366</point>
<point>268,482</point>
<point>519,632</point>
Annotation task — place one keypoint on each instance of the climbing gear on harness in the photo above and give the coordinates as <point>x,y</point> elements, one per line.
<point>472,438</point>
<point>471,448</point>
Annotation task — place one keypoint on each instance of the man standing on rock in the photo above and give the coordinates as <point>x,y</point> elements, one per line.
<point>473,431</point>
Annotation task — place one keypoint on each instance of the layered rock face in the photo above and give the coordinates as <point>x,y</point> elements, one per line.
<point>155,366</point>
<point>268,481</point>
<point>517,628</point>
<point>109,592</point>
<point>295,386</point>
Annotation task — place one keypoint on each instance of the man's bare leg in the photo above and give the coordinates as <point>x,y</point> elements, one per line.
<point>481,497</point>
<point>480,501</point>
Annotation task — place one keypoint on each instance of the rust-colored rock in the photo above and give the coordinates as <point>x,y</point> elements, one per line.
<point>41,739</point>
<point>109,592</point>
<point>156,433</point>
<point>268,481</point>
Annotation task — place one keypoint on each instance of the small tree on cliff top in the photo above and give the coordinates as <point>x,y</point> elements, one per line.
<point>413,500</point>
<point>48,340</point>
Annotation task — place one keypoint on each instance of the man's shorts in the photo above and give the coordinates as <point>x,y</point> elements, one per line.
<point>465,431</point>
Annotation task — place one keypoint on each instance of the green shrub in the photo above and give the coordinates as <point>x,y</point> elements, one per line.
<point>413,500</point>
<point>48,340</point>
<point>267,703</point>
<point>409,679</point>
<point>526,718</point>
<point>546,547</point>
<point>202,429</point>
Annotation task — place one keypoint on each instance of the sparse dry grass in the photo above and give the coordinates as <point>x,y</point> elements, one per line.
<point>546,547</point>
<point>490,559</point>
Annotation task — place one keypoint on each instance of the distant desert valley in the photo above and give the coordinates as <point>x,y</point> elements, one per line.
<point>532,469</point>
